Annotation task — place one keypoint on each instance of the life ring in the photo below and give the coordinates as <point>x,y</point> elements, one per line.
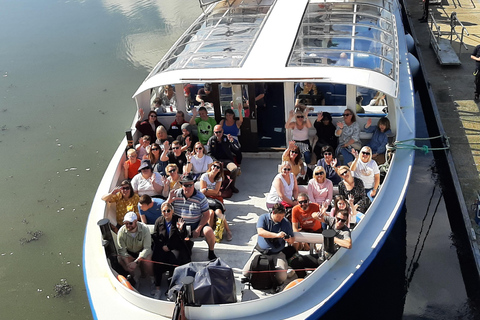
<point>124,281</point>
<point>293,283</point>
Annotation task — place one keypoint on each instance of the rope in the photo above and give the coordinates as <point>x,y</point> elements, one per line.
<point>403,145</point>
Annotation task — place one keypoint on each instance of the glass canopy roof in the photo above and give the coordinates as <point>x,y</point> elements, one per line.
<point>220,39</point>
<point>347,34</point>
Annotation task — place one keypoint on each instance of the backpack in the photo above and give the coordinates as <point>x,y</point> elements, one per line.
<point>262,280</point>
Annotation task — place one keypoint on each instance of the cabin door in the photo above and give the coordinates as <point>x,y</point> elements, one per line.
<point>271,117</point>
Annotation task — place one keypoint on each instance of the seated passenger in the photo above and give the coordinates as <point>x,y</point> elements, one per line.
<point>134,244</point>
<point>147,181</point>
<point>320,189</point>
<point>176,126</point>
<point>342,238</point>
<point>379,139</point>
<point>302,220</point>
<point>231,127</point>
<point>210,184</point>
<point>125,200</point>
<point>141,147</point>
<point>222,148</point>
<point>367,169</point>
<point>168,100</point>
<point>175,156</point>
<point>358,105</point>
<point>154,154</point>
<point>348,133</point>
<point>308,94</point>
<point>340,203</point>
<point>204,124</point>
<point>378,99</point>
<point>351,185</point>
<point>193,207</point>
<point>325,133</point>
<point>329,164</point>
<point>293,156</point>
<point>170,248</point>
<point>162,136</point>
<point>150,209</point>
<point>199,161</point>
<point>149,126</point>
<point>205,94</point>
<point>299,129</point>
<point>273,231</point>
<point>284,188</point>
<point>187,139</point>
<point>130,167</point>
<point>173,179</point>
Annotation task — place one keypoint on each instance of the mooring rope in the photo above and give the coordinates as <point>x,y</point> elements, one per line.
<point>403,145</point>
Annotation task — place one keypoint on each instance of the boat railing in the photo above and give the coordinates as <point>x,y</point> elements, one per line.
<point>453,23</point>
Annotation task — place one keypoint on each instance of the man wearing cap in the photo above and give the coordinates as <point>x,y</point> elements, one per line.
<point>222,148</point>
<point>134,244</point>
<point>204,124</point>
<point>192,206</point>
<point>175,127</point>
<point>187,139</point>
<point>147,181</point>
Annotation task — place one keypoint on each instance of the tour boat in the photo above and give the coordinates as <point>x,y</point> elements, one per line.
<point>346,48</point>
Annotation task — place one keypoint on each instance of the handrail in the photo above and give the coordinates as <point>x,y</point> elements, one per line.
<point>453,23</point>
<point>434,36</point>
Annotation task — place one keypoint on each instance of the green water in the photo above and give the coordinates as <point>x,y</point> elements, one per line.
<point>68,70</point>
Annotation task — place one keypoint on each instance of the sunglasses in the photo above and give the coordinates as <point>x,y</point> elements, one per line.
<point>346,114</point>
<point>293,151</point>
<point>173,170</point>
<point>155,149</point>
<point>300,117</point>
<point>320,173</point>
<point>340,220</point>
<point>327,153</point>
<point>167,211</point>
<point>175,148</point>
<point>125,188</point>
<point>287,169</point>
<point>215,166</point>
<point>303,202</point>
<point>200,148</point>
<point>128,223</point>
<point>366,153</point>
<point>153,116</point>
<point>217,132</point>
<point>344,173</point>
<point>187,185</point>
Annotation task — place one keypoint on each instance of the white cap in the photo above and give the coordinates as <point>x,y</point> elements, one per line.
<point>130,217</point>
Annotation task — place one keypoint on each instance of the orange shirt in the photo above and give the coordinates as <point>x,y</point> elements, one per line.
<point>304,217</point>
<point>133,168</point>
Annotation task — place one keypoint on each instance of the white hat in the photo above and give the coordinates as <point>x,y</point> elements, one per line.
<point>130,217</point>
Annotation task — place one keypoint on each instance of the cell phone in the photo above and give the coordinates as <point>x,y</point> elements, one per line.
<point>286,237</point>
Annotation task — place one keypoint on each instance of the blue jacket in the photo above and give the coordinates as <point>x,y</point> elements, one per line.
<point>379,139</point>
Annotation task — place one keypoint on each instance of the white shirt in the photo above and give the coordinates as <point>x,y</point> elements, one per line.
<point>367,172</point>
<point>274,197</point>
<point>200,165</point>
<point>210,184</point>
<point>144,186</point>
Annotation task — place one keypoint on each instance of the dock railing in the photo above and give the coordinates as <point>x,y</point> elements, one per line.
<point>453,23</point>
<point>435,33</point>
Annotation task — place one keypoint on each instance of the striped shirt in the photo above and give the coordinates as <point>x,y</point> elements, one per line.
<point>190,209</point>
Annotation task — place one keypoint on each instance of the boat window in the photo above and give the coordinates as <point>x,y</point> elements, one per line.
<point>356,34</point>
<point>320,94</point>
<point>222,37</point>
<point>163,99</point>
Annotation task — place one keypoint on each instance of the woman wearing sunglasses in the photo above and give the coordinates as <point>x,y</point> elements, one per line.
<point>352,186</point>
<point>293,156</point>
<point>284,188</point>
<point>154,152</point>
<point>210,184</point>
<point>199,161</point>
<point>348,133</point>
<point>125,200</point>
<point>170,248</point>
<point>299,123</point>
<point>172,182</point>
<point>366,169</point>
<point>320,189</point>
<point>329,164</point>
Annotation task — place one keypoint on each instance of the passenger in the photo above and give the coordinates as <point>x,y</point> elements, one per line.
<point>348,133</point>
<point>199,162</point>
<point>302,220</point>
<point>358,106</point>
<point>273,231</point>
<point>367,169</point>
<point>130,167</point>
<point>175,156</point>
<point>329,164</point>
<point>187,139</point>
<point>192,206</point>
<point>343,60</point>
<point>294,158</point>
<point>379,140</point>
<point>320,189</point>
<point>231,127</point>
<point>342,238</point>
<point>168,99</point>
<point>309,94</point>
<point>141,147</point>
<point>300,132</point>
<point>150,209</point>
<point>172,182</point>
<point>204,124</point>
<point>154,153</point>
<point>210,184</point>
<point>162,136</point>
<point>340,203</point>
<point>284,188</point>
<point>222,148</point>
<point>378,99</point>
<point>125,200</point>
<point>325,133</point>
<point>176,126</point>
<point>351,185</point>
<point>204,94</point>
<point>170,248</point>
<point>149,126</point>
<point>134,244</point>
<point>147,181</point>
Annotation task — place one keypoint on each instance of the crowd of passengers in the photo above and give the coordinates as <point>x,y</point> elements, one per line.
<point>175,179</point>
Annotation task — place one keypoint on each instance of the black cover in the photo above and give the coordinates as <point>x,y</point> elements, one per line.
<point>214,282</point>
<point>262,280</point>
